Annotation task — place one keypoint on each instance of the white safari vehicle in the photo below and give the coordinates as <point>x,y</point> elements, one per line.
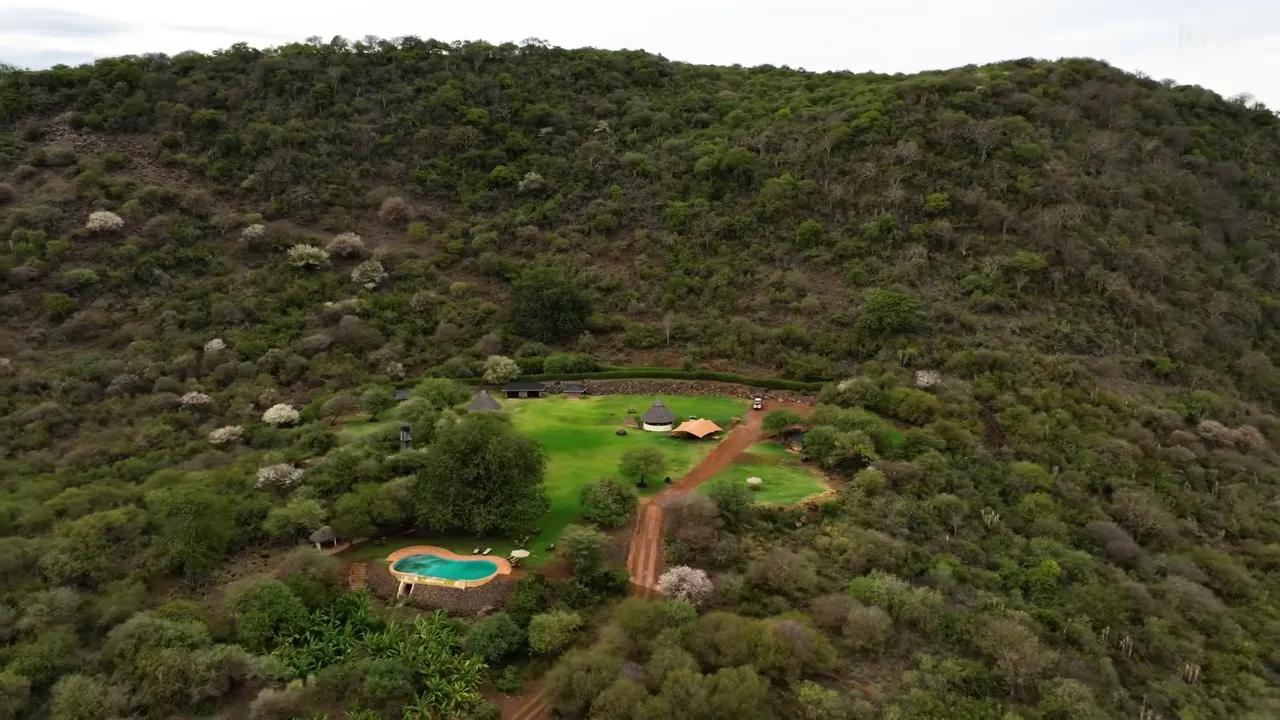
<point>757,403</point>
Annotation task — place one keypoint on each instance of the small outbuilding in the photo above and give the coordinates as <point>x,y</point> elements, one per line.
<point>521,389</point>
<point>699,428</point>
<point>658,418</point>
<point>574,391</point>
<point>324,535</point>
<point>406,440</point>
<point>402,394</point>
<point>483,402</point>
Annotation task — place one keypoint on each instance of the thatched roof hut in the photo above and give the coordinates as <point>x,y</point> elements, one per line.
<point>322,536</point>
<point>658,418</point>
<point>483,402</point>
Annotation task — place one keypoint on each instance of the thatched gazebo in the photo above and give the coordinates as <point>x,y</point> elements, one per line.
<point>324,535</point>
<point>658,418</point>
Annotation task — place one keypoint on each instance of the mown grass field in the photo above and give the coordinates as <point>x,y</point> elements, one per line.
<point>787,481</point>
<point>581,443</point>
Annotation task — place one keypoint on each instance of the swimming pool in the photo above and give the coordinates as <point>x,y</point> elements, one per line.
<point>431,565</point>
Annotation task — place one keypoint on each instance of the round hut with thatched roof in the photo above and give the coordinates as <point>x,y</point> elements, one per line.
<point>658,418</point>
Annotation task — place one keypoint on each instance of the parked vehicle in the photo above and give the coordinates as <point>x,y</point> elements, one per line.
<point>757,404</point>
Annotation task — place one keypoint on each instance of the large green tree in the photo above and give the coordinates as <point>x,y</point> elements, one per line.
<point>482,476</point>
<point>548,305</point>
<point>194,528</point>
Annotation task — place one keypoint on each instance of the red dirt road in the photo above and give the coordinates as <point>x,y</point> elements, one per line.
<point>644,559</point>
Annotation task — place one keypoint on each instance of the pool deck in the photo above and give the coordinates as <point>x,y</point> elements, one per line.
<point>408,580</point>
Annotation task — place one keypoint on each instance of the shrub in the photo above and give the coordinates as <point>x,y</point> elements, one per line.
<point>418,232</point>
<point>368,274</point>
<point>499,369</point>
<point>608,502</point>
<point>58,307</point>
<point>395,210</point>
<point>307,256</point>
<point>253,233</point>
<point>346,245</point>
<point>552,632</point>
<point>78,278</point>
<point>584,546</point>
<point>103,221</point>
<point>562,363</point>
<point>685,583</point>
<point>494,637</point>
<point>226,435</point>
<point>280,415</point>
<point>196,399</point>
<point>281,475</point>
<point>867,628</point>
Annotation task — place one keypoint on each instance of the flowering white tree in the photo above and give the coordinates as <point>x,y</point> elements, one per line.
<point>499,369</point>
<point>282,475</point>
<point>307,256</point>
<point>215,345</point>
<point>280,415</point>
<point>686,583</point>
<point>927,378</point>
<point>531,181</point>
<point>254,232</point>
<point>195,399</point>
<point>346,245</point>
<point>226,435</point>
<point>369,274</point>
<point>103,221</point>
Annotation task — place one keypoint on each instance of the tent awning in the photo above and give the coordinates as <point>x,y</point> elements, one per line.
<point>699,428</point>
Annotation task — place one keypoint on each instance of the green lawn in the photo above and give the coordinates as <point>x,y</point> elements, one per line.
<point>787,481</point>
<point>581,444</point>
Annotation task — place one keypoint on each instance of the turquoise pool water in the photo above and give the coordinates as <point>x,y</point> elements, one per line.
<point>445,568</point>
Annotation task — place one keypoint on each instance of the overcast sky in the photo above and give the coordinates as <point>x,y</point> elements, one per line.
<point>1231,46</point>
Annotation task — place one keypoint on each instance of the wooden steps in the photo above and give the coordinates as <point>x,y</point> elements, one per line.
<point>357,575</point>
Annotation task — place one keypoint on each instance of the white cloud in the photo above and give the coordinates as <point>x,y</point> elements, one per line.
<point>1231,46</point>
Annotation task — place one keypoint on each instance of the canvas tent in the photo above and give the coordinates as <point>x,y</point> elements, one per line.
<point>658,418</point>
<point>699,428</point>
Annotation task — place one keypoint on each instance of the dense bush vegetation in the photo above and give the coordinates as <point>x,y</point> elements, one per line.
<point>1044,295</point>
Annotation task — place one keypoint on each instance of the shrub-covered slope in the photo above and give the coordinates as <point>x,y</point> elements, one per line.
<point>1073,517</point>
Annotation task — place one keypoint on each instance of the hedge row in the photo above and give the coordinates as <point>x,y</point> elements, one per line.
<point>621,373</point>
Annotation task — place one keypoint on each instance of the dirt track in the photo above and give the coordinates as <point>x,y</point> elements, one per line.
<point>644,560</point>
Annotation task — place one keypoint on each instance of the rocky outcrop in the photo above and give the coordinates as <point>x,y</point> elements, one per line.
<point>646,386</point>
<point>474,601</point>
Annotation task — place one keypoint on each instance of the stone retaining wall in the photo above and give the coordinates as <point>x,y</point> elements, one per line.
<point>473,601</point>
<point>654,386</point>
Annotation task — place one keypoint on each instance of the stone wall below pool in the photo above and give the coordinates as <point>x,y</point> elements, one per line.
<point>474,601</point>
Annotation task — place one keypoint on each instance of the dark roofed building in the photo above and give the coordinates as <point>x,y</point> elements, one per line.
<point>524,389</point>
<point>658,418</point>
<point>483,402</point>
<point>402,394</point>
<point>574,390</point>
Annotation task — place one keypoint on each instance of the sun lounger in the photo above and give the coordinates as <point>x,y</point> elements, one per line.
<point>476,551</point>
<point>487,551</point>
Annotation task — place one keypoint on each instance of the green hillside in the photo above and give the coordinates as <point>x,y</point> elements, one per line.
<point>1074,519</point>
